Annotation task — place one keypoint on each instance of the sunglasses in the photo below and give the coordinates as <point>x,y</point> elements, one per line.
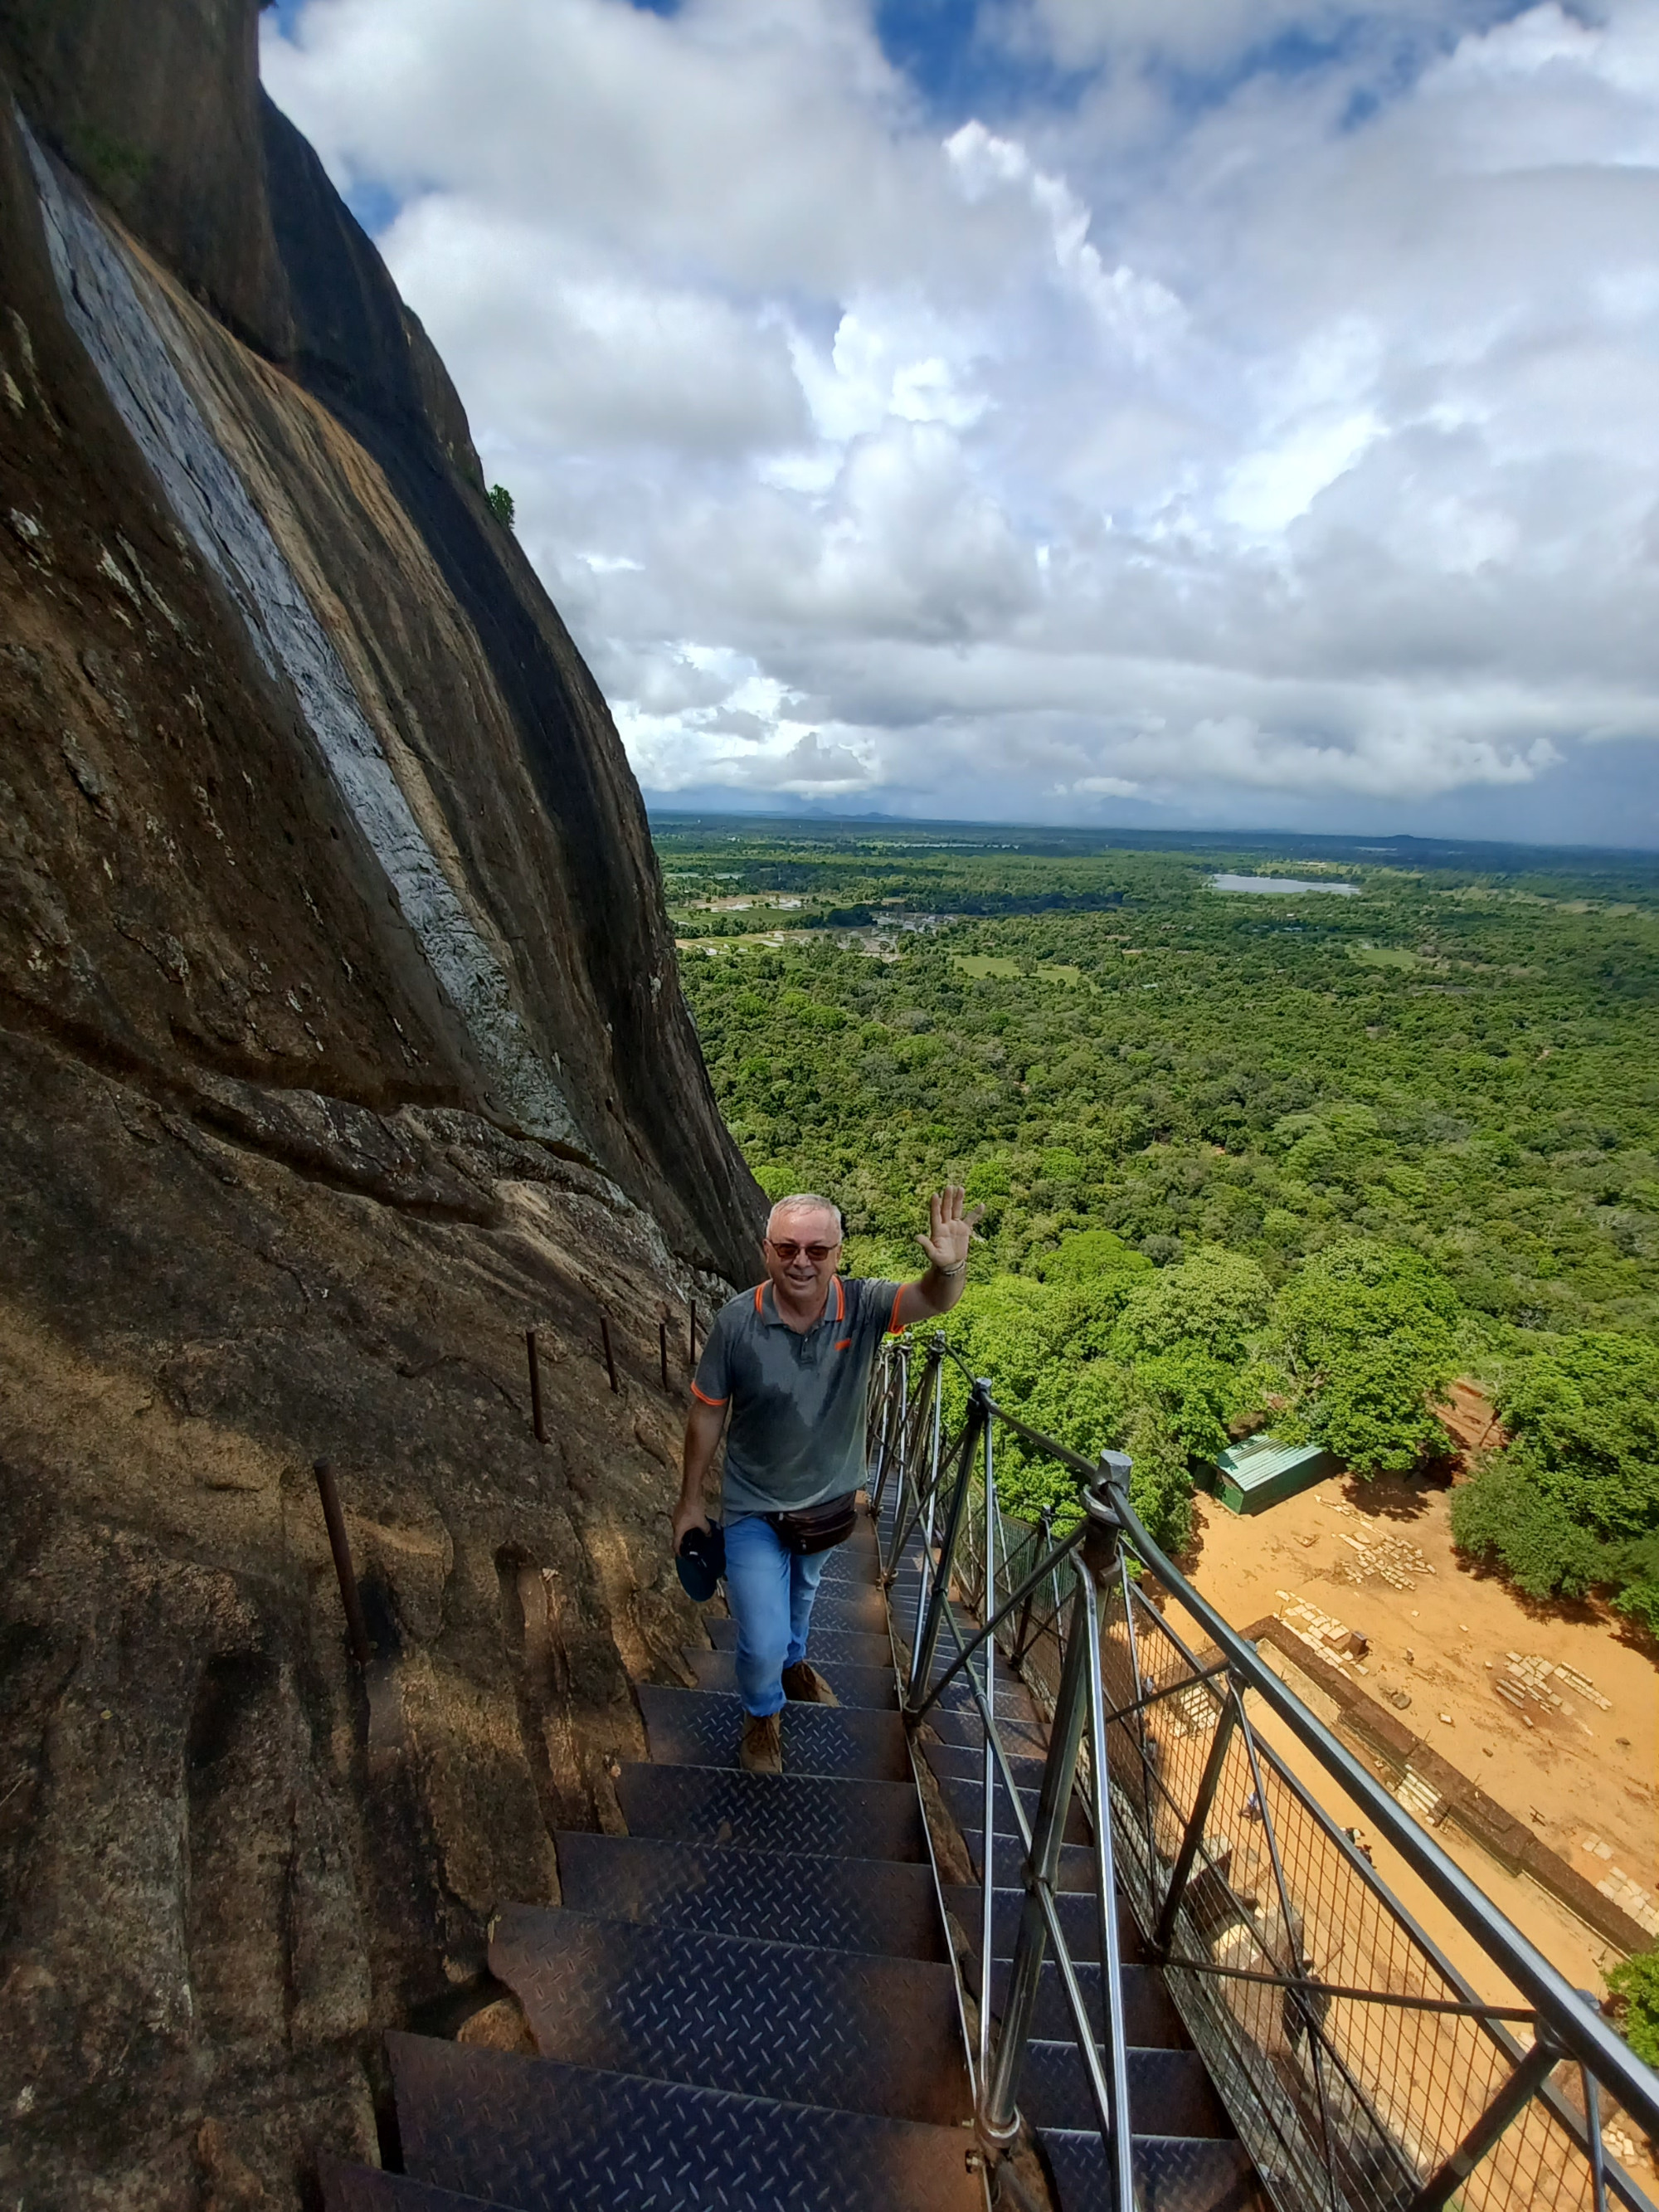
<point>816,1252</point>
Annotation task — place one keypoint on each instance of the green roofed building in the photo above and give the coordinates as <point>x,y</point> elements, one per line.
<point>1262,1471</point>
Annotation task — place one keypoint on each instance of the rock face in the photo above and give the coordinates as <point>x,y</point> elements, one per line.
<point>339,1042</point>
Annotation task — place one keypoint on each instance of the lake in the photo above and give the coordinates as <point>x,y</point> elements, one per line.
<point>1281,886</point>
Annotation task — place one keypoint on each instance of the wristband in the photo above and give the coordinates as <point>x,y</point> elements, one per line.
<point>960,1268</point>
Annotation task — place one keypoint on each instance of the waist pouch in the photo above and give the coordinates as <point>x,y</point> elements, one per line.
<point>817,1527</point>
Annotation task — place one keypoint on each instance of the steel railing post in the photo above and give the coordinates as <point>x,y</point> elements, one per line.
<point>988,1825</point>
<point>936,1380</point>
<point>999,2116</point>
<point>926,1644</point>
<point>1103,1536</point>
<point>907,1504</point>
<point>1045,1525</point>
<point>1598,2160</point>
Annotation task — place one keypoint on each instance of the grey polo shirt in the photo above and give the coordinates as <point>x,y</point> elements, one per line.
<point>798,1400</point>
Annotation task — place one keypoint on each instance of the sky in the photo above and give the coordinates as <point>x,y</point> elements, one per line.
<point>1236,413</point>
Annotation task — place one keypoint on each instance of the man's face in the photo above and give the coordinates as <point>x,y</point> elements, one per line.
<point>801,1249</point>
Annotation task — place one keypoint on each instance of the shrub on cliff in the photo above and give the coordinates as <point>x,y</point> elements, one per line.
<point>1635,1983</point>
<point>500,505</point>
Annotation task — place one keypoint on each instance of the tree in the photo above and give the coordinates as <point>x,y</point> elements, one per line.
<point>1087,1254</point>
<point>1213,1303</point>
<point>1367,1333</point>
<point>1586,1423</point>
<point>1572,1501</point>
<point>500,505</point>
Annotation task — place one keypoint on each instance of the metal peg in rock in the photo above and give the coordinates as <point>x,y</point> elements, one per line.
<point>356,1626</point>
<point>691,1337</point>
<point>537,1420</point>
<point>610,1356</point>
<point>662,1351</point>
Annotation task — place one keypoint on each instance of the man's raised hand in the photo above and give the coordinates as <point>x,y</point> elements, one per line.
<point>950,1228</point>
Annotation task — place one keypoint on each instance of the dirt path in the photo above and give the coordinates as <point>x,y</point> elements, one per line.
<point>1378,1558</point>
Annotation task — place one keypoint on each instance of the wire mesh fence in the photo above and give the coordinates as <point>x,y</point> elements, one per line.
<point>1363,2070</point>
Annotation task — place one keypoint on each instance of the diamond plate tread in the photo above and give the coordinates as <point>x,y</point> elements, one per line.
<point>860,1607</point>
<point>953,1762</point>
<point>851,1563</point>
<point>965,1801</point>
<point>879,1905</point>
<point>1079,1921</point>
<point>546,2137</point>
<point>871,1689</point>
<point>1009,1701</point>
<point>696,1728</point>
<point>1170,2093</point>
<point>369,2189</point>
<point>1171,2175</point>
<point>837,2028</point>
<point>1010,1695</point>
<point>1150,2018</point>
<point>773,1812</point>
<point>1077,1860</point>
<point>829,1646</point>
<point>906,1589</point>
<point>1024,1737</point>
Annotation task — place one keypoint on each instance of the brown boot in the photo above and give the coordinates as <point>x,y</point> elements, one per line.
<point>761,1751</point>
<point>804,1683</point>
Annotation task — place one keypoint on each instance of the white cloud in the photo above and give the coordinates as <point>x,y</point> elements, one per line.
<point>1270,424</point>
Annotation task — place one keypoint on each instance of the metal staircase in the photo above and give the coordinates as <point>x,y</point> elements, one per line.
<point>1041,1915</point>
<point>751,2001</point>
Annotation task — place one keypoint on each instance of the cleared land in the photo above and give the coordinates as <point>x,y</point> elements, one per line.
<point>1443,1640</point>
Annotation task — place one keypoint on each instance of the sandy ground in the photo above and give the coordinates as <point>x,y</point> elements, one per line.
<point>1443,1640</point>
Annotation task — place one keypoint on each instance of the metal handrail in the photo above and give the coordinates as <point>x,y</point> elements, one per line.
<point>1327,2116</point>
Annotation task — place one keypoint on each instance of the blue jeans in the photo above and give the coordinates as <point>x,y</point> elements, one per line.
<point>770,1592</point>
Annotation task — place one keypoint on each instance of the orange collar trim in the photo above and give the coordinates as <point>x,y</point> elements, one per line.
<point>840,1303</point>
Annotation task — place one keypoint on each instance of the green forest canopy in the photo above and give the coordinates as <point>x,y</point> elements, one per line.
<point>1298,1159</point>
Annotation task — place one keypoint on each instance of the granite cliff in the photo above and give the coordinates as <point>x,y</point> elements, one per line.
<point>340,1041</point>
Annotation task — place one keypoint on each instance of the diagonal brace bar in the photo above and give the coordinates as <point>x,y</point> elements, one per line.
<point>1209,1781</point>
<point>922,1659</point>
<point>1512,2099</point>
<point>1066,1544</point>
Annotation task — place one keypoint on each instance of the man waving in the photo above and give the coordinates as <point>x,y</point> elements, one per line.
<point>789,1363</point>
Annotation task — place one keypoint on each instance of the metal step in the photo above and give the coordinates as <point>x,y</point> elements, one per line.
<point>773,1812</point>
<point>1009,1701</point>
<point>1079,1917</point>
<point>829,1646</point>
<point>872,1689</point>
<point>851,1563</point>
<point>903,1595</point>
<point>1171,2175</point>
<point>1077,1860</point>
<point>953,1762</point>
<point>838,2028</point>
<point>368,2189</point>
<point>859,1606</point>
<point>1150,2018</point>
<point>1170,2093</point>
<point>698,1727</point>
<point>880,1905</point>
<point>966,1729</point>
<point>544,2136</point>
<point>965,1801</point>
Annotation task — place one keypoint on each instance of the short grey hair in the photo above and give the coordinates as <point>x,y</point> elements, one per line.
<point>802,1201</point>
